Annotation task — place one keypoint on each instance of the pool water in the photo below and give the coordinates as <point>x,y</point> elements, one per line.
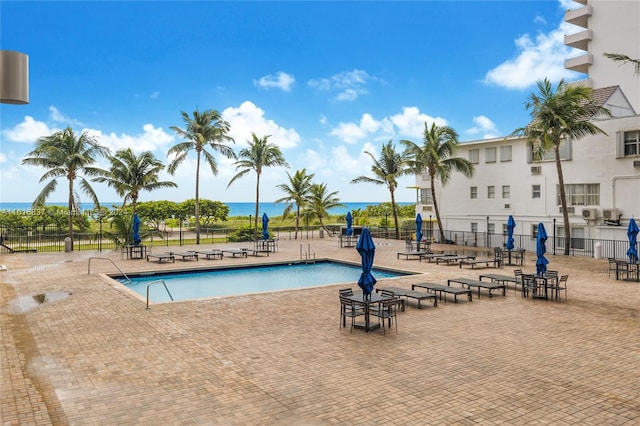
<point>224,282</point>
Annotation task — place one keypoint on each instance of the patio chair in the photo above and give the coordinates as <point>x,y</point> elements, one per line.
<point>529,283</point>
<point>518,274</point>
<point>612,265</point>
<point>350,309</point>
<point>386,310</point>
<point>560,285</point>
<point>346,291</point>
<point>391,293</point>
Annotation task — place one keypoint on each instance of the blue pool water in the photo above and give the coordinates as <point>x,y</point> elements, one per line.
<point>224,282</point>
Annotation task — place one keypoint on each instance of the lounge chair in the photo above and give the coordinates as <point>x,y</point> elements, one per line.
<point>189,255</point>
<point>242,252</point>
<point>479,285</point>
<point>160,257</point>
<point>439,288</point>
<point>211,254</point>
<point>418,295</point>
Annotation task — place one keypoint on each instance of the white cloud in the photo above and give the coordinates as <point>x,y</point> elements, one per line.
<point>155,95</point>
<point>150,139</point>
<point>280,80</point>
<point>408,124</point>
<point>411,122</point>
<point>349,84</point>
<point>28,131</point>
<point>3,158</point>
<point>58,117</point>
<point>248,118</point>
<point>539,58</point>
<point>484,126</point>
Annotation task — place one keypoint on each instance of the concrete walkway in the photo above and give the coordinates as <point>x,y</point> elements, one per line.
<point>92,354</point>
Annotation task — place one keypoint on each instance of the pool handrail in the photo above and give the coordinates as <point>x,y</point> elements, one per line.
<point>165,287</point>
<point>110,260</point>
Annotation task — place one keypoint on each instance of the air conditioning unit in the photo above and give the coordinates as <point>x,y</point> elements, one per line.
<point>636,163</point>
<point>427,207</point>
<point>507,206</point>
<point>610,214</point>
<point>589,213</point>
<point>570,210</point>
<point>536,170</point>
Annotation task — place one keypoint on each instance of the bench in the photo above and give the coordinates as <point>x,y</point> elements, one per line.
<point>439,288</point>
<point>479,285</point>
<point>161,257</point>
<point>418,295</point>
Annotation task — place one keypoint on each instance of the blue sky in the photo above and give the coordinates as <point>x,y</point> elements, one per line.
<point>327,81</point>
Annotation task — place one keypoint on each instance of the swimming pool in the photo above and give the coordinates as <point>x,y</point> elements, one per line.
<point>187,285</point>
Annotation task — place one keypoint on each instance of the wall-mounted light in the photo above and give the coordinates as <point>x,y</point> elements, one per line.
<point>14,77</point>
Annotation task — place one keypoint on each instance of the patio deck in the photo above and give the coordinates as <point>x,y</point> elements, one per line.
<point>96,356</point>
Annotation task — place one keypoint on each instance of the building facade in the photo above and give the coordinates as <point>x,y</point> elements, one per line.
<point>601,173</point>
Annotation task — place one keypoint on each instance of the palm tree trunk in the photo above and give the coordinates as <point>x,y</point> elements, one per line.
<point>71,212</point>
<point>435,207</point>
<point>563,201</point>
<point>255,226</point>
<point>297,221</point>
<point>197,200</point>
<point>395,213</point>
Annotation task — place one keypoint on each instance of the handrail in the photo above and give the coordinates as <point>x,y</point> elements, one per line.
<point>165,287</point>
<point>114,264</point>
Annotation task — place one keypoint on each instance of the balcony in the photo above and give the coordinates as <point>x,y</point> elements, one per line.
<point>579,40</point>
<point>579,17</point>
<point>579,63</point>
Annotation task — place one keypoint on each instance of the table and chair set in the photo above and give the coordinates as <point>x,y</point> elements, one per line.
<point>624,269</point>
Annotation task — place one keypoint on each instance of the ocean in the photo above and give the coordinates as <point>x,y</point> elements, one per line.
<point>235,209</point>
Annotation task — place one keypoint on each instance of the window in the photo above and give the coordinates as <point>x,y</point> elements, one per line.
<point>581,194</point>
<point>632,143</point>
<point>474,192</point>
<point>474,156</point>
<point>491,191</point>
<point>549,155</point>
<point>535,191</point>
<point>505,231</point>
<point>534,232</point>
<point>490,155</point>
<point>474,227</point>
<point>425,196</point>
<point>506,191</point>
<point>505,153</point>
<point>491,228</point>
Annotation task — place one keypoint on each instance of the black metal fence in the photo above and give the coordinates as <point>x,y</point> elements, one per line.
<point>51,238</point>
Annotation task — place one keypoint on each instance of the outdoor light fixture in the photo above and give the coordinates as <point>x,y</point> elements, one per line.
<point>14,77</point>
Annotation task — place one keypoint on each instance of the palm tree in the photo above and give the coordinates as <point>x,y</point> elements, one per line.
<point>320,202</point>
<point>624,59</point>
<point>386,170</point>
<point>204,130</point>
<point>259,154</point>
<point>557,115</point>
<point>297,192</point>
<point>64,154</point>
<point>130,174</point>
<point>436,157</point>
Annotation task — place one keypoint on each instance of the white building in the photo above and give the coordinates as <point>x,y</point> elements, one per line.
<point>601,173</point>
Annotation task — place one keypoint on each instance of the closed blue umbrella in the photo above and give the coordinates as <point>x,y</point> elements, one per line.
<point>541,249</point>
<point>135,234</point>
<point>349,224</point>
<point>265,226</point>
<point>418,227</point>
<point>511,224</point>
<point>632,233</point>
<point>367,250</point>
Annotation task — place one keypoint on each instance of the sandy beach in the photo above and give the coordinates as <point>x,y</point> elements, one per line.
<point>93,354</point>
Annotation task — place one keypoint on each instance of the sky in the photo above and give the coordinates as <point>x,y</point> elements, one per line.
<point>328,81</point>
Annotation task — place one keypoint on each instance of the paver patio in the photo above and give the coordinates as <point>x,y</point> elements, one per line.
<point>96,356</point>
